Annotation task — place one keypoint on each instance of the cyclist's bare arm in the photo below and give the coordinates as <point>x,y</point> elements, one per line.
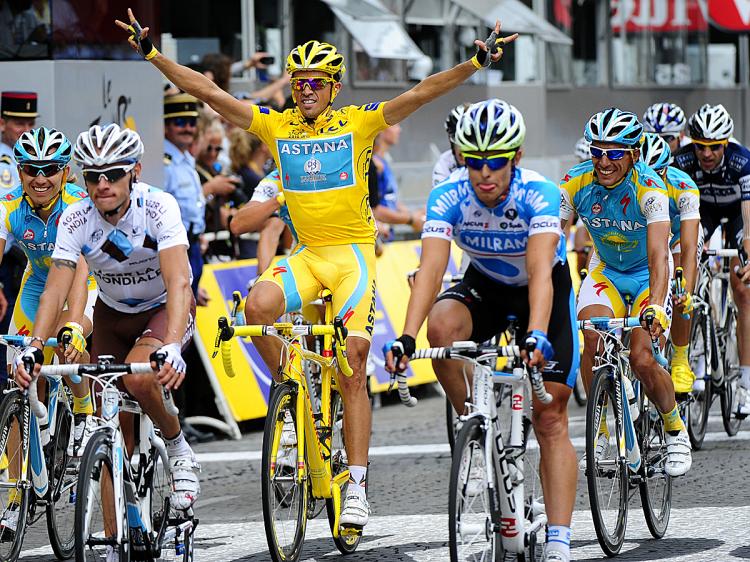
<point>175,270</point>
<point>689,248</point>
<point>400,107</point>
<point>745,206</point>
<point>253,216</point>
<point>435,255</point>
<point>197,84</point>
<point>391,216</point>
<point>540,253</point>
<point>79,293</point>
<point>658,260</point>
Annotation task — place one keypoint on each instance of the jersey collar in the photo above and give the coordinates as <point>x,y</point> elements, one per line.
<point>319,121</point>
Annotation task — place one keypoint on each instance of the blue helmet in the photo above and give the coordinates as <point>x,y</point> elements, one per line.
<point>614,125</point>
<point>43,145</point>
<point>655,152</point>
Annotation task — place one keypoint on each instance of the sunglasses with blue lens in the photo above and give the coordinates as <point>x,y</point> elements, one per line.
<point>611,153</point>
<point>494,162</point>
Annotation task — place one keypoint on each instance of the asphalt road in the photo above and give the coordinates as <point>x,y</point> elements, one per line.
<point>410,463</point>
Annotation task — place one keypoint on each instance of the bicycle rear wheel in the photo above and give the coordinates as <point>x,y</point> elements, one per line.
<point>656,485</point>
<point>14,497</point>
<point>579,391</point>
<point>63,476</point>
<point>470,512</point>
<point>731,376</point>
<point>339,463</point>
<point>95,523</point>
<point>284,496</point>
<point>606,470</point>
<point>700,363</point>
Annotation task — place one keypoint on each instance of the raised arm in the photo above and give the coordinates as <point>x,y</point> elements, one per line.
<point>400,107</point>
<point>186,79</point>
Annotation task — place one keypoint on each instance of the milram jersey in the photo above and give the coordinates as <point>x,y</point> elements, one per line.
<point>268,188</point>
<point>495,238</point>
<point>323,168</point>
<point>35,236</point>
<point>124,258</point>
<point>727,184</point>
<point>617,217</point>
<point>684,200</point>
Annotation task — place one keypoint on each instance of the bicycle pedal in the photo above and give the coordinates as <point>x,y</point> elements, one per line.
<point>351,531</point>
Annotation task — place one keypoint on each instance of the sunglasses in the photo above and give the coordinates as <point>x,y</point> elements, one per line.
<point>184,121</point>
<point>315,84</point>
<point>494,163</point>
<point>111,176</point>
<point>214,148</point>
<point>45,170</point>
<point>611,153</point>
<point>714,146</point>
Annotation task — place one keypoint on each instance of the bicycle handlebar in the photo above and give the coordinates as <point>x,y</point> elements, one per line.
<point>605,323</point>
<point>721,253</point>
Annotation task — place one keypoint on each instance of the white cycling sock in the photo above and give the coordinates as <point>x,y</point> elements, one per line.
<point>358,479</point>
<point>745,379</point>
<point>558,539</point>
<point>178,447</point>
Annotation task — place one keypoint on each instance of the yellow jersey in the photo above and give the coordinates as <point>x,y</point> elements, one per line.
<point>323,168</point>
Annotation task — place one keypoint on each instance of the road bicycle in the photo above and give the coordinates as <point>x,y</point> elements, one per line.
<point>304,459</point>
<point>37,477</point>
<point>495,495</point>
<point>625,439</point>
<point>123,507</point>
<point>714,351</point>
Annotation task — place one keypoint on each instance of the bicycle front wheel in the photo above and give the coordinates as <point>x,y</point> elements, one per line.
<point>14,496</point>
<point>656,485</point>
<point>731,376</point>
<point>606,471</point>
<point>63,476</point>
<point>95,514</point>
<point>284,494</point>
<point>700,363</point>
<point>470,513</point>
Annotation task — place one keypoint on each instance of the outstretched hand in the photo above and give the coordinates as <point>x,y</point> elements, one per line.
<point>497,49</point>
<point>137,34</point>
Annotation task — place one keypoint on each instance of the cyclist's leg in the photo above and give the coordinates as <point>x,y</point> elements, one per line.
<point>284,287</point>
<point>682,375</point>
<point>582,245</point>
<point>597,296</point>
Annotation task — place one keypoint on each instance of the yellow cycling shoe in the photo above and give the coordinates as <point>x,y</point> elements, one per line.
<point>683,378</point>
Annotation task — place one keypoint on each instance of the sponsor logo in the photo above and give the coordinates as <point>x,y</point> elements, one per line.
<point>508,527</point>
<point>625,202</point>
<point>476,224</point>
<point>517,402</point>
<point>279,270</point>
<point>600,287</point>
<point>511,214</point>
<point>312,166</point>
<point>97,235</point>
<point>343,176</point>
<point>596,208</point>
<point>28,234</point>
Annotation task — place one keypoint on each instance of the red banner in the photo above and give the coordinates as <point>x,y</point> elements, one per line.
<point>661,15</point>
<point>732,15</point>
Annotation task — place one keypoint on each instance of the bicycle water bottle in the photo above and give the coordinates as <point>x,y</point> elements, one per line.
<point>632,401</point>
<point>179,545</point>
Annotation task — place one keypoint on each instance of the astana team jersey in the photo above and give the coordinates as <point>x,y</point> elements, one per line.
<point>684,200</point>
<point>323,168</point>
<point>124,258</point>
<point>495,238</point>
<point>616,217</point>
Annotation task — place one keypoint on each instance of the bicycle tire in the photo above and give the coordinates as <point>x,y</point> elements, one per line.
<point>273,491</point>
<point>731,376</point>
<point>350,543</point>
<point>471,440</point>
<point>656,504</point>
<point>63,478</point>
<point>700,361</point>
<point>12,412</point>
<point>602,400</point>
<point>96,462</point>
<point>450,423</point>
<point>579,391</point>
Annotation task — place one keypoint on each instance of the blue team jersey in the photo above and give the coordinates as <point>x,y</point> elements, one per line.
<point>728,183</point>
<point>616,217</point>
<point>35,236</point>
<point>495,238</point>
<point>684,200</point>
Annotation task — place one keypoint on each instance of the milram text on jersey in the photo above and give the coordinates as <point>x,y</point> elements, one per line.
<point>495,238</point>
<point>323,168</point>
<point>124,258</point>
<point>616,217</point>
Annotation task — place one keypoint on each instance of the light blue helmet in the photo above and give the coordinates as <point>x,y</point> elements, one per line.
<point>655,152</point>
<point>614,125</point>
<point>43,145</point>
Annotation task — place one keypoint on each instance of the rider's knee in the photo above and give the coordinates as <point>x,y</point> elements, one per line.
<point>441,331</point>
<point>261,307</point>
<point>591,342</point>
<point>641,361</point>
<point>550,423</point>
<point>742,297</point>
<point>140,386</point>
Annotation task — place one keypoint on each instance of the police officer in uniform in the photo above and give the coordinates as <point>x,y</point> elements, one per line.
<point>18,114</point>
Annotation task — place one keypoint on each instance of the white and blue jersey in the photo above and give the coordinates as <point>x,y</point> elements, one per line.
<point>495,238</point>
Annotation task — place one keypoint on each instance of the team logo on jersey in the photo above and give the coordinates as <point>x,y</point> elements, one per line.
<point>596,208</point>
<point>343,176</point>
<point>511,214</point>
<point>312,166</point>
<point>97,235</point>
<point>28,234</point>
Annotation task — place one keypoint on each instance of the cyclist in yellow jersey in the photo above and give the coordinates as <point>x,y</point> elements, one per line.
<point>323,155</point>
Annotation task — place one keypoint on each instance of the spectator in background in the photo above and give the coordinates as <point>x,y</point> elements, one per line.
<point>18,113</point>
<point>222,68</point>
<point>389,209</point>
<point>249,159</point>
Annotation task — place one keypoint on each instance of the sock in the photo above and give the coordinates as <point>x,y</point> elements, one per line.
<point>558,539</point>
<point>680,354</point>
<point>358,479</point>
<point>745,378</point>
<point>14,495</point>
<point>178,446</point>
<point>673,423</point>
<point>83,405</point>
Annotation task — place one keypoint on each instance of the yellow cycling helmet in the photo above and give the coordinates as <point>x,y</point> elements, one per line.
<point>315,55</point>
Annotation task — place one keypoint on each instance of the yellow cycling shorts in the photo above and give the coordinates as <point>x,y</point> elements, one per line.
<point>347,270</point>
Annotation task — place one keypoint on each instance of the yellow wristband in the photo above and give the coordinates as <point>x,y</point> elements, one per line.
<point>475,62</point>
<point>152,53</point>
<point>281,199</point>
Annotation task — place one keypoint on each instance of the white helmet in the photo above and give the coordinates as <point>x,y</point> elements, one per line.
<point>711,122</point>
<point>582,151</point>
<point>663,118</point>
<point>490,125</point>
<point>109,147</point>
